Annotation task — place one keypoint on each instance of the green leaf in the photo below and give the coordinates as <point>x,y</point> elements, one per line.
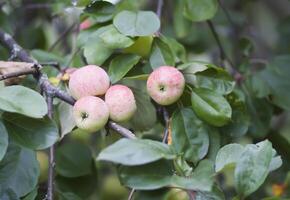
<point>145,116</point>
<point>19,170</point>
<point>135,152</point>
<point>276,77</point>
<point>3,140</point>
<point>29,132</point>
<point>161,54</point>
<point>215,194</point>
<point>121,65</point>
<point>22,100</point>
<point>189,135</point>
<point>161,174</point>
<point>32,195</point>
<point>211,106</point>
<point>82,186</point>
<point>96,52</point>
<point>68,196</point>
<point>136,23</point>
<point>205,75</point>
<point>228,155</point>
<point>180,23</point>
<point>177,49</point>
<point>252,168</point>
<point>70,165</point>
<point>113,39</point>
<point>66,119</point>
<point>8,194</point>
<point>240,122</point>
<point>100,11</point>
<point>200,10</point>
<point>44,56</point>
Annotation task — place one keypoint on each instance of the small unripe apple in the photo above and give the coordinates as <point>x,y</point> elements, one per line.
<point>90,80</point>
<point>142,46</point>
<point>42,159</point>
<point>90,113</point>
<point>165,85</point>
<point>121,102</point>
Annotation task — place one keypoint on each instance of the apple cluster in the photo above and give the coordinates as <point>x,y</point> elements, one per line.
<point>97,100</point>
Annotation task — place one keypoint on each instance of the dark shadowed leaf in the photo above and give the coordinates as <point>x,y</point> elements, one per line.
<point>189,135</point>
<point>73,160</point>
<point>19,170</point>
<point>3,140</point>
<point>29,132</point>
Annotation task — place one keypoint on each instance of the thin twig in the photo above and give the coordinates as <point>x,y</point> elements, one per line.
<point>227,14</point>
<point>159,8</point>
<point>50,181</point>
<point>62,36</point>
<point>166,120</point>
<point>120,129</point>
<point>131,194</point>
<point>17,74</point>
<point>223,54</point>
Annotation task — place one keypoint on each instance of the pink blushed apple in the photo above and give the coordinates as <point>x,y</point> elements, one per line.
<point>165,85</point>
<point>121,102</point>
<point>90,80</point>
<point>90,113</point>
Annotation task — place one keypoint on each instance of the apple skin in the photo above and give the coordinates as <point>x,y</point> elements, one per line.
<point>90,113</point>
<point>90,80</point>
<point>142,46</point>
<point>165,85</point>
<point>42,159</point>
<point>85,24</point>
<point>121,102</point>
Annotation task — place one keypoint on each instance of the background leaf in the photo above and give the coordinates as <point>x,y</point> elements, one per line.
<point>73,160</point>
<point>200,10</point>
<point>3,140</point>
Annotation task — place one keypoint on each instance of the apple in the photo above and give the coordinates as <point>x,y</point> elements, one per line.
<point>90,113</point>
<point>177,194</point>
<point>90,80</point>
<point>142,46</point>
<point>121,102</point>
<point>165,85</point>
<point>85,24</point>
<point>42,159</point>
<point>112,189</point>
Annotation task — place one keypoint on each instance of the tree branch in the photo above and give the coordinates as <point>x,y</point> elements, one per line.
<point>17,74</point>
<point>50,182</point>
